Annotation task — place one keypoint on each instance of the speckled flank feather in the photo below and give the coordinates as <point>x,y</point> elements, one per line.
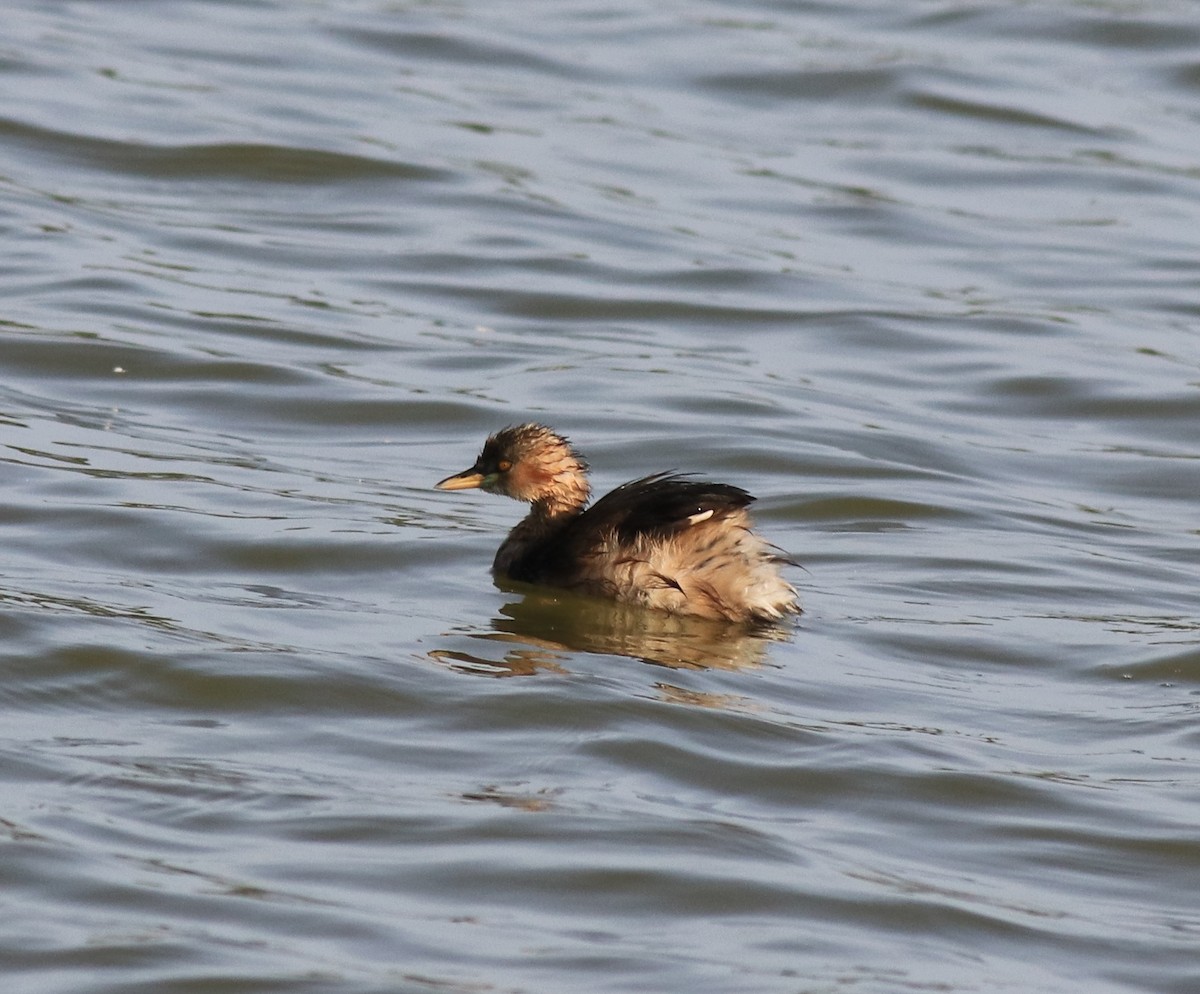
<point>715,568</point>
<point>667,541</point>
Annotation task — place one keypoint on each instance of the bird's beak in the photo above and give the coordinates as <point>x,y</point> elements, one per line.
<point>468,479</point>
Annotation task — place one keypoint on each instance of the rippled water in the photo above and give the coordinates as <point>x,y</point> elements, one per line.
<point>922,276</point>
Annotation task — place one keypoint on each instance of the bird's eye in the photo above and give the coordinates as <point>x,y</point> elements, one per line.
<point>504,465</point>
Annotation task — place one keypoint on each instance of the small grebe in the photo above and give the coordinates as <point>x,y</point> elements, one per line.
<point>664,541</point>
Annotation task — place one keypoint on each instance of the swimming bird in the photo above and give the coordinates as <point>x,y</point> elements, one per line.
<point>666,541</point>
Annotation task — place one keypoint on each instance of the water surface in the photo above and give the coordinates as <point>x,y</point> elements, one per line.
<point>921,276</point>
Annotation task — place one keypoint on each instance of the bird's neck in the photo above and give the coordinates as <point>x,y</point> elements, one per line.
<point>567,498</point>
<point>547,515</point>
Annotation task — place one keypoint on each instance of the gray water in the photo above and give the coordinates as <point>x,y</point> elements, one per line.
<point>925,277</point>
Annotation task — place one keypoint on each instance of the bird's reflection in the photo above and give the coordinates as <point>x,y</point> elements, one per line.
<point>539,628</point>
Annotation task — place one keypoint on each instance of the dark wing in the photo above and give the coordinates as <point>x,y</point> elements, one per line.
<point>657,505</point>
<point>660,505</point>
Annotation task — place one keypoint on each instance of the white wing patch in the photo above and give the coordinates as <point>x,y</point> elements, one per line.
<point>695,519</point>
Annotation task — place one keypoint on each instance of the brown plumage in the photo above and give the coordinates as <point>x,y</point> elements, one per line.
<point>665,541</point>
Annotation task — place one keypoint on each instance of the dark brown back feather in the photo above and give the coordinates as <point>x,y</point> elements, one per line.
<point>657,505</point>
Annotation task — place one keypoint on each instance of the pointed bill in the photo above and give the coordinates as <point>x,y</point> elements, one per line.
<point>468,479</point>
